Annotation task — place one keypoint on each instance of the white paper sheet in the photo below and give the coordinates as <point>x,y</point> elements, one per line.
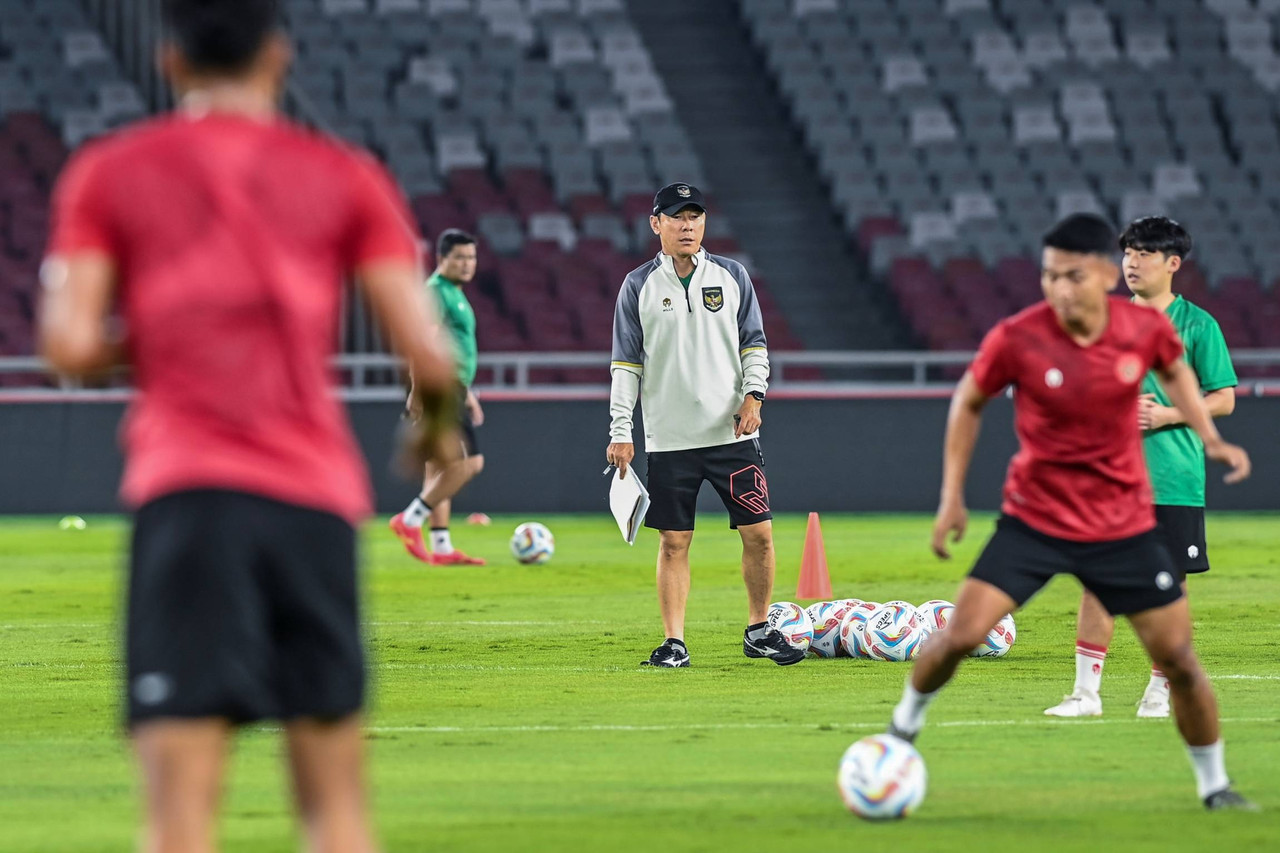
<point>629,501</point>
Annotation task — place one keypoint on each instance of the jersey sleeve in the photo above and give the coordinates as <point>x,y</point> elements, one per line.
<point>1209,357</point>
<point>382,228</point>
<point>628,332</point>
<point>1166,346</point>
<point>81,217</point>
<point>991,366</point>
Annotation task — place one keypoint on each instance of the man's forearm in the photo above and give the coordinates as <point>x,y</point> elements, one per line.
<point>964,419</point>
<point>623,393</point>
<point>1220,403</point>
<point>1180,384</point>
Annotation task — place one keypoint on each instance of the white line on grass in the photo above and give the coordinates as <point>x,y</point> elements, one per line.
<point>426,623</point>
<point>950,724</point>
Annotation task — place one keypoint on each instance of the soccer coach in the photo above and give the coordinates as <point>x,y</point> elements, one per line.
<point>687,323</point>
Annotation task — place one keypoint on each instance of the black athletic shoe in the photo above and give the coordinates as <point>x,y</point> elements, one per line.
<point>894,731</point>
<point>1228,799</point>
<point>669,654</point>
<point>773,646</point>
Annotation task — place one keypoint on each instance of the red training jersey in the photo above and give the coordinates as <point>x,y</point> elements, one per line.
<point>232,237</point>
<point>1079,473</point>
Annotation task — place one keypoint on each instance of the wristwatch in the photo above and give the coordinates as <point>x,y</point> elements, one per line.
<point>759,395</point>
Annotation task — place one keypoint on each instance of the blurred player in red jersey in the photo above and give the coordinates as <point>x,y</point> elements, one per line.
<point>1077,499</point>
<point>221,235</point>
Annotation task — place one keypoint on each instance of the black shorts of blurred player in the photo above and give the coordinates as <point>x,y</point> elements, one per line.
<point>241,608</point>
<point>1127,575</point>
<point>1181,528</point>
<point>735,471</point>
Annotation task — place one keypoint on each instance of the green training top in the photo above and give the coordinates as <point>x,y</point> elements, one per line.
<point>1175,454</point>
<point>685,279</point>
<point>460,320</point>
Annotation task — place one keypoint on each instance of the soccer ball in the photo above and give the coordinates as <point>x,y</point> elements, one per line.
<point>825,616</point>
<point>882,777</point>
<point>851,626</point>
<point>792,622</point>
<point>933,615</point>
<point>532,543</point>
<point>998,641</point>
<point>893,632</point>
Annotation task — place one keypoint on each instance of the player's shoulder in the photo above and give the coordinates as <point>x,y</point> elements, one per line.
<point>729,265</point>
<point>131,141</point>
<point>1195,315</point>
<point>1029,319</point>
<point>635,279</point>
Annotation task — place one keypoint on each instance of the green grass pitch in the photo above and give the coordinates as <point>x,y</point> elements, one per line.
<point>508,712</point>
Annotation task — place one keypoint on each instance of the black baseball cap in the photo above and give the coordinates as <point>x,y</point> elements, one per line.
<point>674,198</point>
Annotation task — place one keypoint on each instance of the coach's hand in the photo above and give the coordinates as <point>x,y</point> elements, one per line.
<point>747,420</point>
<point>952,518</point>
<point>620,454</point>
<point>1233,456</point>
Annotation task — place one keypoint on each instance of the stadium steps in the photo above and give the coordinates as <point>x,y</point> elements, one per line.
<point>761,176</point>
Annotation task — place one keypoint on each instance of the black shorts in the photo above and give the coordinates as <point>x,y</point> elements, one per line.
<point>243,608</point>
<point>1127,575</point>
<point>736,471</point>
<point>1181,528</point>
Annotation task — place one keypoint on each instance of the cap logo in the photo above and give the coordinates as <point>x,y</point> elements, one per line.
<point>683,191</point>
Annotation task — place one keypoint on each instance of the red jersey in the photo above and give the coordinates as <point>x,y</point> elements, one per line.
<point>232,237</point>
<point>1079,473</point>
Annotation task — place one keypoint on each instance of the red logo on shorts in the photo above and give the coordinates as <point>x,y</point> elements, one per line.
<point>749,488</point>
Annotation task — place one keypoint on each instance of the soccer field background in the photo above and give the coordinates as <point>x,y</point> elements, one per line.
<point>509,711</point>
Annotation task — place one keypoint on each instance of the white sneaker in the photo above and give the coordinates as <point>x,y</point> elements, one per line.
<point>1154,706</point>
<point>1079,704</point>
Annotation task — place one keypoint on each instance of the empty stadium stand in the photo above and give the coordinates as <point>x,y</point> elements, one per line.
<point>952,132</point>
<point>58,85</point>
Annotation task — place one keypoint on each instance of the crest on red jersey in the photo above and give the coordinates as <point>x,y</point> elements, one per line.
<point>1129,368</point>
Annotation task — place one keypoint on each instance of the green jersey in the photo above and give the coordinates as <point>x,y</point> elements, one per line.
<point>460,320</point>
<point>1175,454</point>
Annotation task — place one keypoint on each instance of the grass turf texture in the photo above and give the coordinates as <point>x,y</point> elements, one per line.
<point>509,713</point>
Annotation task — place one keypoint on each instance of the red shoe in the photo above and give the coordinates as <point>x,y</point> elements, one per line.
<point>454,558</point>
<point>411,537</point>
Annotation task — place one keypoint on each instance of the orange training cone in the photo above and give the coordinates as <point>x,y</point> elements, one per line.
<point>815,582</point>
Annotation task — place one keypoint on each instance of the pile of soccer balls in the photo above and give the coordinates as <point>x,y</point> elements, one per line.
<point>893,631</point>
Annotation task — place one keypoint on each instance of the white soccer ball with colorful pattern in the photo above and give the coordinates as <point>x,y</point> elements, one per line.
<point>999,640</point>
<point>851,628</point>
<point>792,622</point>
<point>882,777</point>
<point>532,543</point>
<point>826,616</point>
<point>893,633</point>
<point>934,615</point>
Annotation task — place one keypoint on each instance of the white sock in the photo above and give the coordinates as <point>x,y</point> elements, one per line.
<point>1157,687</point>
<point>415,514</point>
<point>440,541</point>
<point>1210,765</point>
<point>1089,661</point>
<point>908,714</point>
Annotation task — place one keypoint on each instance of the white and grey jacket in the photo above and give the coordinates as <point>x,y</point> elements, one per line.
<point>699,352</point>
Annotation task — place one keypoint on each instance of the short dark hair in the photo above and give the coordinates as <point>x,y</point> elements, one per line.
<point>1156,234</point>
<point>450,238</point>
<point>1084,234</point>
<point>221,36</point>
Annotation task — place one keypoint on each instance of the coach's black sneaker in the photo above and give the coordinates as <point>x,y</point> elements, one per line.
<point>761,641</point>
<point>671,654</point>
<point>1228,799</point>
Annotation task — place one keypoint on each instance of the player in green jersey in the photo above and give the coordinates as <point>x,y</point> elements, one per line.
<point>456,267</point>
<point>1154,248</point>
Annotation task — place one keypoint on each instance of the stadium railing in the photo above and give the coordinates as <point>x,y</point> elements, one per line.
<point>371,377</point>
